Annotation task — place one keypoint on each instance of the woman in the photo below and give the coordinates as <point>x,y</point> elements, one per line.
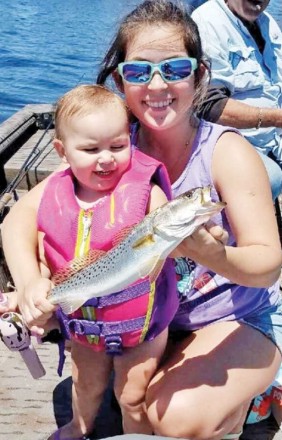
<point>227,331</point>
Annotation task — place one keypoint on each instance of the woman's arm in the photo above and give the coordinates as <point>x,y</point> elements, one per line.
<point>242,182</point>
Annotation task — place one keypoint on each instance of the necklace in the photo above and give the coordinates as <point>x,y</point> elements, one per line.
<point>190,141</point>
<point>175,159</point>
<point>176,168</point>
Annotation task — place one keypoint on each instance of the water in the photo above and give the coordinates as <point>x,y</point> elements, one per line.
<point>48,47</point>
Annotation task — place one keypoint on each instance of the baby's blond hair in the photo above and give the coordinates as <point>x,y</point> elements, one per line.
<point>81,101</point>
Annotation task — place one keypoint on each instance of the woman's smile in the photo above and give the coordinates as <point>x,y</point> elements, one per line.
<point>158,105</point>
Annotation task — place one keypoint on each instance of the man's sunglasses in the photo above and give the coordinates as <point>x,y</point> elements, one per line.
<point>141,72</point>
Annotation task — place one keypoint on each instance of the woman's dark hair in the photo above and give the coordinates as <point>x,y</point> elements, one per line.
<point>156,12</point>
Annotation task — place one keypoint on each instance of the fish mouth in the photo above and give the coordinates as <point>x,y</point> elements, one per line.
<point>210,209</point>
<point>212,206</point>
<point>206,195</point>
<point>207,205</point>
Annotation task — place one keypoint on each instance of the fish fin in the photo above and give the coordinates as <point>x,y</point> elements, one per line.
<point>122,234</point>
<point>177,230</point>
<point>156,271</point>
<point>62,275</point>
<point>147,240</point>
<point>92,256</point>
<point>70,305</point>
<point>149,267</point>
<point>75,265</point>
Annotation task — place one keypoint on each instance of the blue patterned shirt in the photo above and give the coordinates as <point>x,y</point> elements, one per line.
<point>252,77</point>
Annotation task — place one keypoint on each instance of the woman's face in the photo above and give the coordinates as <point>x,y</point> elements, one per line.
<point>248,10</point>
<point>159,104</point>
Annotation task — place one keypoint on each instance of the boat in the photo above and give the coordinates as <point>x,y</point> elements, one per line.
<point>26,408</point>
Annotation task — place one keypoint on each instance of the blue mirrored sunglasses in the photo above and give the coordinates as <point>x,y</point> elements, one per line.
<point>141,72</point>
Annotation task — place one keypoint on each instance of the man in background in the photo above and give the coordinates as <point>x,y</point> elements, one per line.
<point>244,46</point>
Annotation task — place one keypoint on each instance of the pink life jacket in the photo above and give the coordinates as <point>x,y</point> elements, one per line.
<point>141,311</point>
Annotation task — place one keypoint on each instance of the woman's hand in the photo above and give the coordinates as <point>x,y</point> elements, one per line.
<point>206,243</point>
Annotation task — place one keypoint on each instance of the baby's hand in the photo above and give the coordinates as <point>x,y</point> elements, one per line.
<point>36,310</point>
<point>8,302</point>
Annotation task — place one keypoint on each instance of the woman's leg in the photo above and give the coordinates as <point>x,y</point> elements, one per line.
<point>133,372</point>
<point>90,374</point>
<point>203,390</point>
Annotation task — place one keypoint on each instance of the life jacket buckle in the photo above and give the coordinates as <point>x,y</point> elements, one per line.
<point>113,345</point>
<point>83,327</point>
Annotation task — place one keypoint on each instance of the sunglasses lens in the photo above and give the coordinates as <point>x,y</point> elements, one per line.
<point>176,70</point>
<point>136,73</point>
<point>139,72</point>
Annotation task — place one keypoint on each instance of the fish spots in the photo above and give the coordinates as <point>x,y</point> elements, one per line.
<point>141,253</point>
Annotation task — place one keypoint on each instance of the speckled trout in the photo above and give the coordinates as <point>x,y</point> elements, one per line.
<point>140,254</point>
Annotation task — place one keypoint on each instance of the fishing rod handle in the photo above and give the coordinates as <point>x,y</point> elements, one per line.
<point>16,336</point>
<point>33,362</point>
<point>4,200</point>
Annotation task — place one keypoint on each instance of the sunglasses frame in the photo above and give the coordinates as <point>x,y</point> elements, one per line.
<point>156,67</point>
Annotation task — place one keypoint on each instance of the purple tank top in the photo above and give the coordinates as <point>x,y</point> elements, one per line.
<point>206,296</point>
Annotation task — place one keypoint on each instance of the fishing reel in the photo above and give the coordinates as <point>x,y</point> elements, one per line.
<point>45,120</point>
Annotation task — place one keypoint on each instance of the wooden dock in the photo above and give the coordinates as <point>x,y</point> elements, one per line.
<point>45,160</point>
<point>26,147</point>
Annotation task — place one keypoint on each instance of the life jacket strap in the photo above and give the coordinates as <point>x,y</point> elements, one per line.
<point>134,291</point>
<point>100,328</point>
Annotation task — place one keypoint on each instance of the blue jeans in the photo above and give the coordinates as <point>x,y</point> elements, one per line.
<point>268,322</point>
<point>274,173</point>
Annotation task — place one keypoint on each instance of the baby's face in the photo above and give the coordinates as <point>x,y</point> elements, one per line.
<point>97,147</point>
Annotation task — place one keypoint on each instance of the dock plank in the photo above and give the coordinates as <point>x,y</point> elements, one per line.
<point>44,156</point>
<point>32,409</point>
<point>26,405</point>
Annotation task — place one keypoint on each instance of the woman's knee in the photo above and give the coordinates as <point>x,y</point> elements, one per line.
<point>183,417</point>
<point>194,416</point>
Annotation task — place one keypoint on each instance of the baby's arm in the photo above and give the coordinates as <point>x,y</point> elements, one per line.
<point>157,198</point>
<point>20,239</point>
<point>20,244</point>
